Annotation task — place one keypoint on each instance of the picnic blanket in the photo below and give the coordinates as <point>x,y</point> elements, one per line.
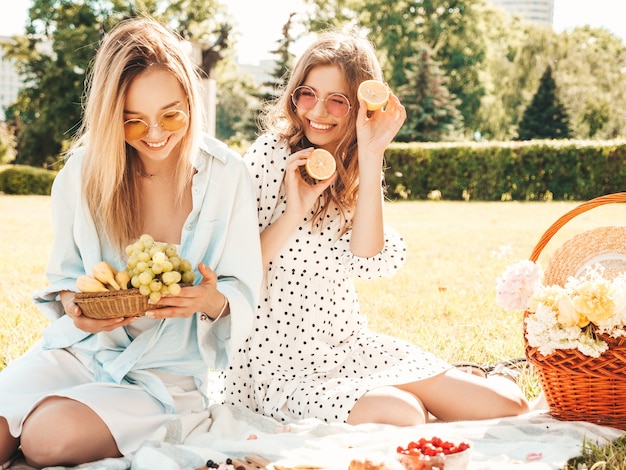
<point>534,441</point>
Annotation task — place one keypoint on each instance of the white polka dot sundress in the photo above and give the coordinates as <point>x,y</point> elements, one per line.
<point>310,353</point>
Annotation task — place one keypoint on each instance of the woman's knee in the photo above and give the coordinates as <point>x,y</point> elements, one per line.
<point>42,440</point>
<point>62,431</point>
<point>388,405</point>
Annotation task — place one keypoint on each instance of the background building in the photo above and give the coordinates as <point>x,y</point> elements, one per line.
<point>10,81</point>
<point>534,11</point>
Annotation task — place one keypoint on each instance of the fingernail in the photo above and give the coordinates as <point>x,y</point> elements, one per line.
<point>150,314</point>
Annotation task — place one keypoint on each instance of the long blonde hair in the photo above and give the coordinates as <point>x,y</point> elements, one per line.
<point>356,58</point>
<point>111,167</point>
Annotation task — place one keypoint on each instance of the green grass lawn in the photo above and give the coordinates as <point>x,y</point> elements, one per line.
<point>443,299</point>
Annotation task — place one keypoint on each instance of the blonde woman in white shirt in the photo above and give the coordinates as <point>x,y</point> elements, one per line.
<point>94,389</point>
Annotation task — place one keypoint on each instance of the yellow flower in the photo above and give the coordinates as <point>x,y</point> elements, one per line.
<point>547,295</point>
<point>567,314</point>
<point>595,301</point>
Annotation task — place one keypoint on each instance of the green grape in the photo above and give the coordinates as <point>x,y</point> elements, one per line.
<point>155,285</point>
<point>145,278</point>
<point>185,265</point>
<point>134,281</point>
<point>165,289</point>
<point>132,263</point>
<point>144,289</point>
<point>157,268</point>
<point>171,277</point>
<point>188,277</point>
<point>158,257</point>
<point>143,256</point>
<point>175,260</point>
<point>174,289</point>
<point>155,297</point>
<point>170,250</point>
<point>167,266</point>
<point>142,266</point>
<point>146,239</point>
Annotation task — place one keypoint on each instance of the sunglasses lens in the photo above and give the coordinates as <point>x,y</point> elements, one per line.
<point>173,121</point>
<point>304,98</point>
<point>337,105</point>
<point>135,129</point>
<point>170,121</point>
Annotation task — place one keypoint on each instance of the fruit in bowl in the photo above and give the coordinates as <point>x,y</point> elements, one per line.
<point>435,454</point>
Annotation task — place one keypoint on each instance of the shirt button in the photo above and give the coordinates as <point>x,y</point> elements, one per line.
<point>188,227</point>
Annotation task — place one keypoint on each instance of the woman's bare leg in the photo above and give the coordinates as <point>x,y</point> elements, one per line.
<point>388,405</point>
<point>456,395</point>
<point>61,431</point>
<point>8,443</point>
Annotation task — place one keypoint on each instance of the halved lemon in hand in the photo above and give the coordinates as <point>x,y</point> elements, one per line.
<point>320,164</point>
<point>374,93</point>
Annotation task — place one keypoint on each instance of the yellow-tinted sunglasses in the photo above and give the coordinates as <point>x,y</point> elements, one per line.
<point>171,121</point>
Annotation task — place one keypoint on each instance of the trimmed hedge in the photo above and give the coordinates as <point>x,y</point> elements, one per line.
<point>492,171</point>
<point>22,179</point>
<point>523,171</point>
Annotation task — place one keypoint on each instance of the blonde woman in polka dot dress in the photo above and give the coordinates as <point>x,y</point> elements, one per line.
<point>311,354</point>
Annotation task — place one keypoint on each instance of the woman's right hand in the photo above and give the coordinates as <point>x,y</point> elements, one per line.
<point>90,325</point>
<point>301,196</point>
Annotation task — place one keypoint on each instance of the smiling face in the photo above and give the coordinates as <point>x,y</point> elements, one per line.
<point>157,98</point>
<point>321,128</point>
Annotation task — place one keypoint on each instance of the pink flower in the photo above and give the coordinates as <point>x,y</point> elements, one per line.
<point>516,285</point>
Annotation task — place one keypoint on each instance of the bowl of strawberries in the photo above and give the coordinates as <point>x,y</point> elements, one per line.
<point>435,453</point>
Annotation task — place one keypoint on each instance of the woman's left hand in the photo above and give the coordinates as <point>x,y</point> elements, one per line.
<point>203,297</point>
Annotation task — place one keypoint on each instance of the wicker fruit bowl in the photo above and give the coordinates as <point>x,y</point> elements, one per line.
<point>113,304</point>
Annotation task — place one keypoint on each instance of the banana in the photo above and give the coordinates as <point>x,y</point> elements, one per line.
<point>123,279</point>
<point>87,283</point>
<point>105,273</point>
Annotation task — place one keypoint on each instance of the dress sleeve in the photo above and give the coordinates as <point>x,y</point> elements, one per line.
<point>266,159</point>
<point>385,264</point>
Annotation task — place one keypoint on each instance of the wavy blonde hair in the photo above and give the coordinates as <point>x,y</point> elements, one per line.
<point>356,58</point>
<point>111,167</point>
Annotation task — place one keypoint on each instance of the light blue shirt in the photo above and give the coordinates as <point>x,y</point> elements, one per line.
<point>221,231</point>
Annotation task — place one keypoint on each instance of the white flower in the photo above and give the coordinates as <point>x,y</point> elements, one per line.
<point>569,317</point>
<point>516,285</point>
<point>573,316</point>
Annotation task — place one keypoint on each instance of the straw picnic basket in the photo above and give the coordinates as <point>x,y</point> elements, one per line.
<point>579,387</point>
<point>114,304</point>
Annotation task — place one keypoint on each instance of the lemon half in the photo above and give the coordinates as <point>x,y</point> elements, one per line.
<point>374,93</point>
<point>321,164</point>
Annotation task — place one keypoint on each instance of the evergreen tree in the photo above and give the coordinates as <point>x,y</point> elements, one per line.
<point>272,88</point>
<point>284,62</point>
<point>432,111</point>
<point>545,117</point>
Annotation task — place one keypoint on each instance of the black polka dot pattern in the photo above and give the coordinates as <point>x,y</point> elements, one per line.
<point>310,353</point>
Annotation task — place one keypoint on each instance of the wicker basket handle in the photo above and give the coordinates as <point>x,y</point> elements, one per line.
<point>561,221</point>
